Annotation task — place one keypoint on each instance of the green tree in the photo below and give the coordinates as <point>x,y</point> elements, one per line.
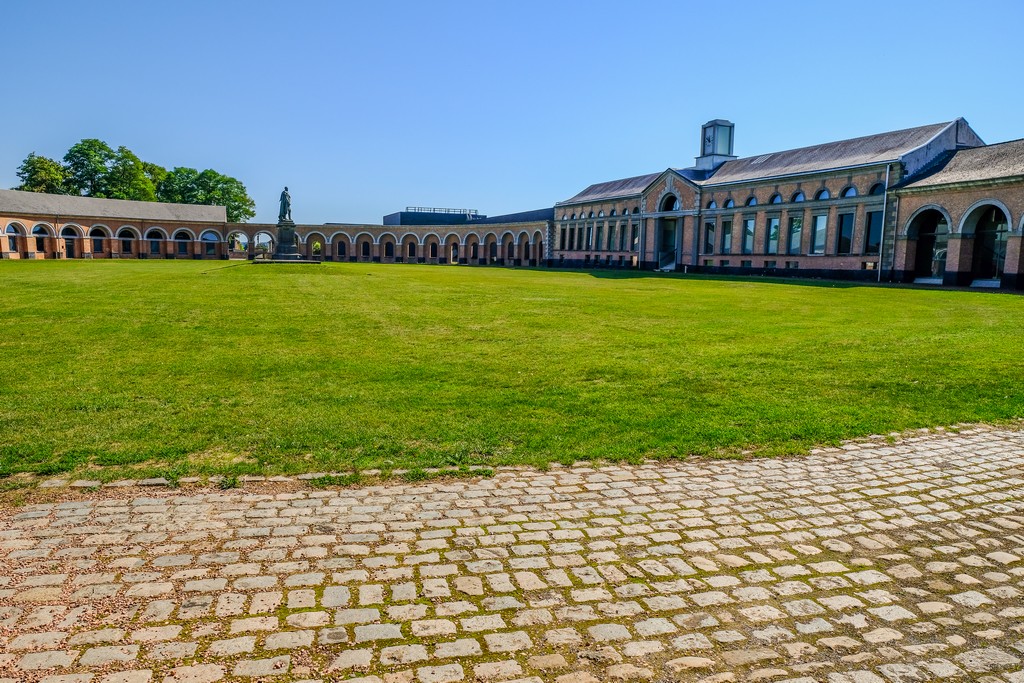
<point>189,186</point>
<point>155,172</point>
<point>88,163</point>
<point>42,174</point>
<point>127,179</point>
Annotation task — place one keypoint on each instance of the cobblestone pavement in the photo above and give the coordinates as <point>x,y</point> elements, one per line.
<point>874,563</point>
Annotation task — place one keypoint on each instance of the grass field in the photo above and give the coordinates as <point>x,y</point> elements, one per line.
<point>186,368</point>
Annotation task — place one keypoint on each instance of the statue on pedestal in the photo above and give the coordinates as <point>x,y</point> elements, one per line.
<point>285,214</point>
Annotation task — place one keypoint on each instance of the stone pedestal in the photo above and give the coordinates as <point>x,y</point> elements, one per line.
<point>285,248</point>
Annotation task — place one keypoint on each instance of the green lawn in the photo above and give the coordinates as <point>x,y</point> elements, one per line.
<point>195,368</point>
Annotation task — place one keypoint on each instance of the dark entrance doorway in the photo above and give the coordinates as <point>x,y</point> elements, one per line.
<point>932,232</point>
<point>990,233</point>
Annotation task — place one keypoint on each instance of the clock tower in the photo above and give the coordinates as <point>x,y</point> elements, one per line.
<point>715,144</point>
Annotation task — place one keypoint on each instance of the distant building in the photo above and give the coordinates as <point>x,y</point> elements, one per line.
<point>419,215</point>
<point>933,205</point>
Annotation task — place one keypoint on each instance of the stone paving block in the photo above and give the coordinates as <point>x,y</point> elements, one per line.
<point>135,676</point>
<point>288,640</point>
<point>108,654</point>
<point>231,646</point>
<point>197,673</point>
<point>440,674</point>
<point>259,668</point>
<point>51,659</point>
<point>174,650</point>
<point>377,632</point>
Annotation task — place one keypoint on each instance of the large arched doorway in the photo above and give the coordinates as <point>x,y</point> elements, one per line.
<point>264,245</point>
<point>990,227</point>
<point>71,249</point>
<point>931,232</point>
<point>410,246</point>
<point>668,227</point>
<point>524,250</point>
<point>491,248</point>
<point>238,245</point>
<point>316,246</point>
<point>451,249</point>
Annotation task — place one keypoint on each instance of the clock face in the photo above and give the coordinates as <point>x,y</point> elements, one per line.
<point>709,142</point>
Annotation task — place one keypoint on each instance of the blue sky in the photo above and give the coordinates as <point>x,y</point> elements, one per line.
<point>365,108</point>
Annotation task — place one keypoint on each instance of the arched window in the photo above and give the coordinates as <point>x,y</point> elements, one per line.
<point>573,217</point>
<point>752,201</point>
<point>182,239</point>
<point>877,189</point>
<point>625,212</point>
<point>823,193</point>
<point>389,249</point>
<point>851,191</point>
<point>366,249</point>
<point>97,235</point>
<point>776,198</point>
<point>600,214</point>
<point>712,204</point>
<point>13,232</point>
<point>563,216</point>
<point>798,197</point>
<point>591,215</point>
<point>40,233</point>
<point>729,204</point>
<point>612,214</point>
<point>127,238</point>
<point>670,203</point>
<point>636,209</point>
<point>155,239</point>
<point>209,240</point>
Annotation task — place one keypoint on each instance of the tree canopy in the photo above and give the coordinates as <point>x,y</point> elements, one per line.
<point>91,168</point>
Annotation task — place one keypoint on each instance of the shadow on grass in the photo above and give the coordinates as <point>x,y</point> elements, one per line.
<point>612,274</point>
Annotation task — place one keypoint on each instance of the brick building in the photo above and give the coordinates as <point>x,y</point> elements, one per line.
<point>932,205</point>
<point>873,208</point>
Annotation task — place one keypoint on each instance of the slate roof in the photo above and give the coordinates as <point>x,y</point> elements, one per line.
<point>613,188</point>
<point>870,149</point>
<point>991,162</point>
<point>39,204</point>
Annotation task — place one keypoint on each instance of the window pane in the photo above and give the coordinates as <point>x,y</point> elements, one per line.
<point>820,225</point>
<point>726,237</point>
<point>873,233</point>
<point>845,242</point>
<point>796,228</point>
<point>709,238</point>
<point>773,236</point>
<point>748,235</point>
